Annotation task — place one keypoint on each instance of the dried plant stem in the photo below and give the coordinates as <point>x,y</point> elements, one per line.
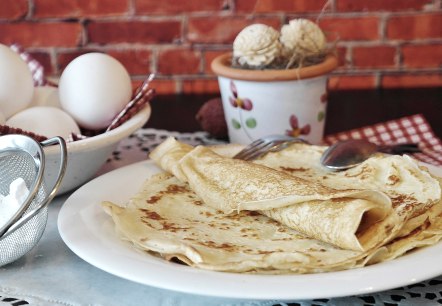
<point>324,8</point>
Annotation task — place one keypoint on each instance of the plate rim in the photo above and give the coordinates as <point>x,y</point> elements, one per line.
<point>226,284</point>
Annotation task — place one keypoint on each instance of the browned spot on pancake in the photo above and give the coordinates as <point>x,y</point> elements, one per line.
<point>421,208</point>
<point>197,202</point>
<point>409,202</point>
<point>212,244</point>
<point>171,189</point>
<point>147,222</point>
<point>291,170</point>
<point>236,216</point>
<point>226,228</point>
<point>175,189</point>
<point>150,214</point>
<point>393,180</point>
<point>153,199</point>
<point>283,239</point>
<point>173,227</point>
<point>265,252</point>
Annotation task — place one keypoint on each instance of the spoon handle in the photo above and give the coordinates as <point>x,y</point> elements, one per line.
<point>400,148</point>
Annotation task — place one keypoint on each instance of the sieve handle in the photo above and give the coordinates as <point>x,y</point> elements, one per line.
<point>63,163</point>
<point>61,171</point>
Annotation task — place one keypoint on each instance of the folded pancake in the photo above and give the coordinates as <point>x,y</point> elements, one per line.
<point>412,189</point>
<point>348,218</point>
<point>167,219</point>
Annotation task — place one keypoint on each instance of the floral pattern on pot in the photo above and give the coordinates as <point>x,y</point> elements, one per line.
<point>296,130</point>
<point>243,104</point>
<point>321,114</point>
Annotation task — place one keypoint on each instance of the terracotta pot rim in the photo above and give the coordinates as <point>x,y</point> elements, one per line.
<point>221,66</point>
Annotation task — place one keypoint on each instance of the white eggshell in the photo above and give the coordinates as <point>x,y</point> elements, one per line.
<point>45,120</point>
<point>2,118</point>
<point>45,96</point>
<point>93,89</point>
<point>16,83</point>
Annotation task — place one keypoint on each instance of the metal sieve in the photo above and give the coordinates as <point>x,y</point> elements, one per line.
<point>23,157</point>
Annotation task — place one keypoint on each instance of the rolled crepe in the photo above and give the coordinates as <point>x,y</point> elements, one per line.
<point>350,219</point>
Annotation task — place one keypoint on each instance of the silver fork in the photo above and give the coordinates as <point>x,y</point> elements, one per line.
<point>264,145</point>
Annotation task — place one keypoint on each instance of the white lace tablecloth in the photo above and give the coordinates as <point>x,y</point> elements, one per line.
<point>51,274</point>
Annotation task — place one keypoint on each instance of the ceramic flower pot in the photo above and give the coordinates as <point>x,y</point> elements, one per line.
<point>267,102</point>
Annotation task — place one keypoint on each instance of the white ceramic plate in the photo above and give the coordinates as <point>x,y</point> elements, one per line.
<point>89,232</point>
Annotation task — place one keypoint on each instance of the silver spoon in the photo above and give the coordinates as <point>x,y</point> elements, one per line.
<point>350,153</point>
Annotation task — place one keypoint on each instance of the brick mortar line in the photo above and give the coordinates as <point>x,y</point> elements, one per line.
<point>131,15</point>
<point>227,47</point>
<point>131,8</point>
<point>386,72</point>
<point>389,42</point>
<point>30,10</point>
<point>382,28</point>
<point>120,18</point>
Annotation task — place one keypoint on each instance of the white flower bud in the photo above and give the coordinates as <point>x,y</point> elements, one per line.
<point>257,45</point>
<point>302,37</point>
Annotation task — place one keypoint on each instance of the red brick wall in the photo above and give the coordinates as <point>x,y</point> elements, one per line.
<point>381,43</point>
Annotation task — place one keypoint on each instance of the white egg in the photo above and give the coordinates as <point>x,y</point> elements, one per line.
<point>16,83</point>
<point>45,120</point>
<point>93,89</point>
<point>45,96</point>
<point>2,118</point>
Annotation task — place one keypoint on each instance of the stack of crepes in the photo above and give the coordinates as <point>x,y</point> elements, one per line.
<point>283,213</point>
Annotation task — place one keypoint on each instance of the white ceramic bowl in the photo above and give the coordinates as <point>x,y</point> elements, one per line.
<point>85,157</point>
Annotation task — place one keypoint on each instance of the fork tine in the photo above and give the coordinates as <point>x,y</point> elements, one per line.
<point>279,146</point>
<point>267,144</point>
<point>250,148</point>
<point>266,147</point>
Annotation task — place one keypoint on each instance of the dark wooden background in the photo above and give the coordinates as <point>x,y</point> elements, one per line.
<point>346,109</point>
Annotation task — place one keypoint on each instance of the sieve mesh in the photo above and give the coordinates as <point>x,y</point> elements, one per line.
<point>15,164</point>
<point>20,164</point>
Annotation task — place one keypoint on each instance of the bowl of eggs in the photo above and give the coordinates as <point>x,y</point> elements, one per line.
<point>93,108</point>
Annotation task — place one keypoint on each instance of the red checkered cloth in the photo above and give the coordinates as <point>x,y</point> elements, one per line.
<point>403,130</point>
<point>36,68</point>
